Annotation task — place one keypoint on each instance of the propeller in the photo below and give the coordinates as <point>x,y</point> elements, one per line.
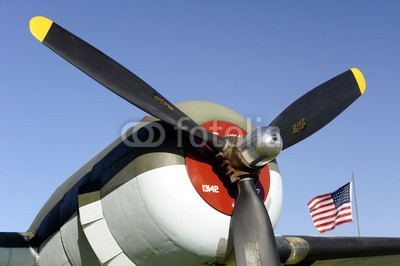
<point>242,157</point>
<point>253,235</point>
<point>318,107</point>
<point>298,121</point>
<point>117,78</point>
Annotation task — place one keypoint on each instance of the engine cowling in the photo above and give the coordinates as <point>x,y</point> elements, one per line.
<point>165,206</point>
<point>176,223</point>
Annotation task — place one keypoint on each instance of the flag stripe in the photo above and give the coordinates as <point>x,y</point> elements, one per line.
<point>333,215</point>
<point>332,226</point>
<point>322,205</point>
<point>333,219</point>
<point>317,199</point>
<point>331,209</point>
<point>326,211</point>
<point>323,209</point>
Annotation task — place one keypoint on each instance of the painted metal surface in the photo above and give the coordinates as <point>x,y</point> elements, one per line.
<point>97,231</point>
<point>18,256</point>
<point>76,246</point>
<point>216,189</point>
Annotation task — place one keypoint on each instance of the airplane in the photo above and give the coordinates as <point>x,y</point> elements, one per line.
<point>192,184</point>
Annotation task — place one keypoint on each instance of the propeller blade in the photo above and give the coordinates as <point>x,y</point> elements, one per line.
<point>253,235</point>
<point>319,106</point>
<point>117,78</point>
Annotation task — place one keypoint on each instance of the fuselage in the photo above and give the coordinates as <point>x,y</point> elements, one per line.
<point>147,204</point>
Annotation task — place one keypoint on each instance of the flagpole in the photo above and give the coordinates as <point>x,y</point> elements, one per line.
<point>355,202</point>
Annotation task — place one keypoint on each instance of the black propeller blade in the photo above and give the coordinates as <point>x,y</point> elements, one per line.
<point>253,235</point>
<point>117,78</point>
<point>319,106</point>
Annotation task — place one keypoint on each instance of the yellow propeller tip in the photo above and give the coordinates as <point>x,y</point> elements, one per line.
<point>360,79</point>
<point>39,27</point>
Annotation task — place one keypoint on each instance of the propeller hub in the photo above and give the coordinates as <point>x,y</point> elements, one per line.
<point>260,147</point>
<point>247,155</point>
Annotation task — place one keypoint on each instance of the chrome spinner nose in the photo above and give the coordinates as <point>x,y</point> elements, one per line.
<point>261,146</point>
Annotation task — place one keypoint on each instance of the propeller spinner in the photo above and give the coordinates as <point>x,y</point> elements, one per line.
<point>243,157</point>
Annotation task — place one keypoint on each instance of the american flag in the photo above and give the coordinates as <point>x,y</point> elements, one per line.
<point>331,209</point>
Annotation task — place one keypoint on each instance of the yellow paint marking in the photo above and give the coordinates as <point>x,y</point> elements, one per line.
<point>39,27</point>
<point>162,102</point>
<point>299,126</point>
<point>360,79</point>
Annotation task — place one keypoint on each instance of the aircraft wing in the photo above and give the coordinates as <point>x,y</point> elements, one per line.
<point>316,250</point>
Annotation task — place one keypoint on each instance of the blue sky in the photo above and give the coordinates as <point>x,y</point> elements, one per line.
<point>254,57</point>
